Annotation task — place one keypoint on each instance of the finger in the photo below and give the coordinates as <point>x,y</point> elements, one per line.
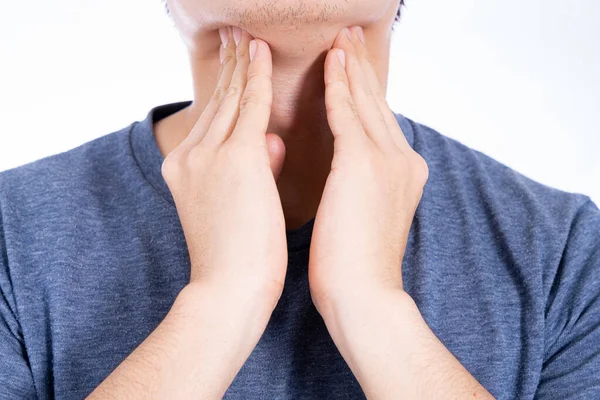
<point>226,116</point>
<point>373,82</point>
<point>366,104</point>
<point>255,106</point>
<point>342,115</point>
<point>225,73</point>
<point>276,150</point>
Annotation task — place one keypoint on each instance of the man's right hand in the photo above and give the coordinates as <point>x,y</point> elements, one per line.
<point>222,178</point>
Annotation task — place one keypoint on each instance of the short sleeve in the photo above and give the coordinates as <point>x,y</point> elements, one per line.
<point>571,367</point>
<point>16,379</point>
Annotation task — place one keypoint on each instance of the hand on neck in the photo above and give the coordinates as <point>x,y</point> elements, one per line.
<point>298,113</point>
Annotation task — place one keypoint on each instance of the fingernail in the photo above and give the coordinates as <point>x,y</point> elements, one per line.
<point>253,47</point>
<point>360,33</point>
<point>222,53</point>
<point>348,33</point>
<point>224,36</point>
<point>342,57</point>
<point>237,35</point>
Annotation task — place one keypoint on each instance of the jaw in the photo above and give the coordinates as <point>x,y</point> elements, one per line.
<point>294,30</point>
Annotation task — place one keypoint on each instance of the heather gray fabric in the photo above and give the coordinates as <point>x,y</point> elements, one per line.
<point>505,271</point>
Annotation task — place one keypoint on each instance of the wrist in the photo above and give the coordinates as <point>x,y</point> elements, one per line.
<point>198,299</point>
<point>254,288</point>
<point>355,321</point>
<point>207,336</point>
<point>364,302</point>
<point>391,350</point>
<point>376,333</point>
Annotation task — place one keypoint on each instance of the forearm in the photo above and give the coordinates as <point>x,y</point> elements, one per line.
<point>393,353</point>
<point>195,352</point>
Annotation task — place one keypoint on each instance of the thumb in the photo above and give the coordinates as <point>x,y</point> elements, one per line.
<point>276,149</point>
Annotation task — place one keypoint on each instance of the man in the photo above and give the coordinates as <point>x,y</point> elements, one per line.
<point>286,235</point>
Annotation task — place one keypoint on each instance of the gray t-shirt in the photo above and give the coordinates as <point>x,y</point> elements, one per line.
<point>505,271</point>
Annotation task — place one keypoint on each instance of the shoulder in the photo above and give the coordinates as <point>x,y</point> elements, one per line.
<point>474,204</point>
<point>463,172</point>
<point>69,173</point>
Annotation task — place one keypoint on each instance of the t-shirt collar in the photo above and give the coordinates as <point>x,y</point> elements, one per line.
<point>149,158</point>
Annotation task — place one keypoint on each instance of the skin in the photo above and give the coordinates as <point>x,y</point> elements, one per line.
<point>299,35</point>
<point>226,175</point>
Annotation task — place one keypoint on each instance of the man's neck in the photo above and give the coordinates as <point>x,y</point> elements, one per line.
<point>298,116</point>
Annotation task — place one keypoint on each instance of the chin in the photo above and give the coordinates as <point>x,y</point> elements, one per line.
<point>292,28</point>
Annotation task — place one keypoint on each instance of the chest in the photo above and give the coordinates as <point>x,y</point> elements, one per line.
<point>86,311</point>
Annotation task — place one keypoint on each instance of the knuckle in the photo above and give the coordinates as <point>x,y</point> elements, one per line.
<point>233,91</point>
<point>228,58</point>
<point>172,166</point>
<point>241,149</point>
<point>344,105</point>
<point>254,101</point>
<point>259,81</point>
<point>218,94</point>
<point>403,163</point>
<point>195,158</point>
<point>253,73</point>
<point>338,75</point>
<point>353,154</point>
<point>337,79</point>
<point>244,152</point>
<point>420,169</point>
<point>233,149</point>
<point>241,52</point>
<point>256,94</point>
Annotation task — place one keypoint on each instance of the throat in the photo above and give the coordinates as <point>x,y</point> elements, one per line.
<point>298,116</point>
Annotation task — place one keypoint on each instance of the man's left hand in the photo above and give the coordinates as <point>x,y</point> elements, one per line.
<point>373,189</point>
<point>359,238</point>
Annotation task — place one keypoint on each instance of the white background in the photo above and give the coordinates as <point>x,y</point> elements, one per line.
<point>519,81</point>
